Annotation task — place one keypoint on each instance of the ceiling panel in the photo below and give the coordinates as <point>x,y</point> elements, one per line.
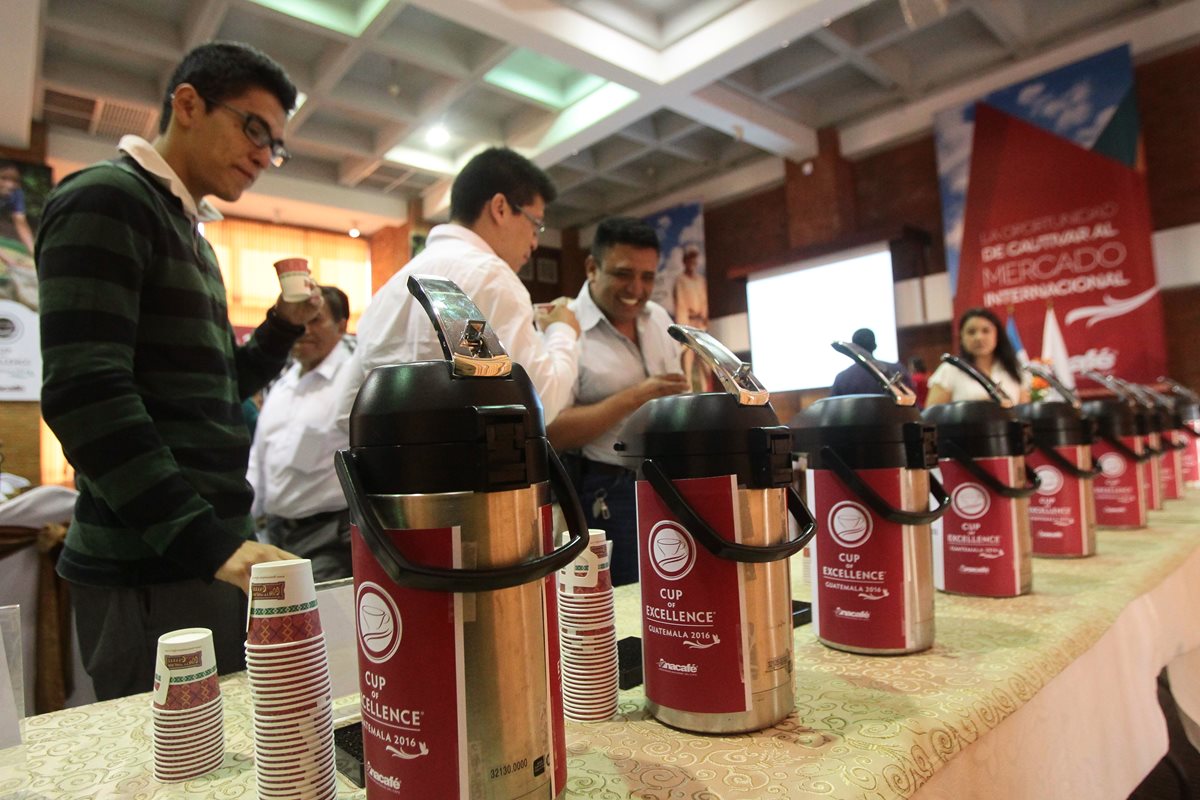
<point>701,86</point>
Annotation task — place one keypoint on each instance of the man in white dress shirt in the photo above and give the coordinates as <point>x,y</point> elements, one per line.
<point>627,359</point>
<point>291,459</point>
<point>497,208</point>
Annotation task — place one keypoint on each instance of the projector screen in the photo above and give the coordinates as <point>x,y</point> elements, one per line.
<point>796,311</point>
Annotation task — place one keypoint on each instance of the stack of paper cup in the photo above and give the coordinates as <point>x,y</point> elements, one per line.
<point>588,633</point>
<point>189,737</point>
<point>288,671</point>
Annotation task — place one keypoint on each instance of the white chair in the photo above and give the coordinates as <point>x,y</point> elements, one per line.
<point>36,508</point>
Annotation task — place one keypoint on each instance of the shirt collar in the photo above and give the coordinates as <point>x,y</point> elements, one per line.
<point>589,315</point>
<point>152,161</point>
<point>328,367</point>
<point>452,230</point>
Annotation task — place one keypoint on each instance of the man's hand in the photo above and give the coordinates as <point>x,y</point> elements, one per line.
<point>237,569</point>
<point>558,311</point>
<point>303,311</point>
<point>662,386</point>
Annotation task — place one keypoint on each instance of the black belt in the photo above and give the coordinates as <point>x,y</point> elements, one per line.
<point>586,466</point>
<point>319,518</point>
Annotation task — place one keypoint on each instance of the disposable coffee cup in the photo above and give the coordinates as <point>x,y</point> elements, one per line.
<point>283,603</point>
<point>293,278</point>
<point>185,670</point>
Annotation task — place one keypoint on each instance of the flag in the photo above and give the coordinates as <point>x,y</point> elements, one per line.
<point>1014,338</point>
<point>1054,350</point>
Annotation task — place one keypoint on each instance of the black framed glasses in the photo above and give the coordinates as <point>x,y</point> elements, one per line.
<point>258,132</point>
<point>539,225</point>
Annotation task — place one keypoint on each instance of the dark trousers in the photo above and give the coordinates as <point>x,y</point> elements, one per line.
<point>119,629</point>
<point>604,487</point>
<point>322,538</point>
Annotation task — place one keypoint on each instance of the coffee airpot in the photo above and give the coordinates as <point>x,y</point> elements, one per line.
<point>1062,512</point>
<point>982,545</point>
<point>714,498</point>
<point>1174,442</point>
<point>868,485</point>
<point>448,479</point>
<point>1150,424</point>
<point>1187,413</point>
<point>1123,452</point>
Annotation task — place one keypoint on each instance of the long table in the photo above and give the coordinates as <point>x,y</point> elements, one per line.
<point>1048,695</point>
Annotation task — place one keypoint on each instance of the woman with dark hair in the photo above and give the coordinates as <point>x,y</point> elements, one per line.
<point>983,343</point>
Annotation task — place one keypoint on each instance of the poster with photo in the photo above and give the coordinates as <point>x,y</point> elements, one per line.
<point>682,287</point>
<point>23,190</point>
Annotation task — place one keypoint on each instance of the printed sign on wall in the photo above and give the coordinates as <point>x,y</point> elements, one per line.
<point>1046,214</point>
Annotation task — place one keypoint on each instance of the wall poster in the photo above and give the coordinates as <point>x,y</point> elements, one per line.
<point>1047,216</point>
<point>23,190</point>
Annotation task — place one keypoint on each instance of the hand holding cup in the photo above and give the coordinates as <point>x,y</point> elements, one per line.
<point>301,297</point>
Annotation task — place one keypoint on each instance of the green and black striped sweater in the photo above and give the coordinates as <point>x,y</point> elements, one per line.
<point>142,380</point>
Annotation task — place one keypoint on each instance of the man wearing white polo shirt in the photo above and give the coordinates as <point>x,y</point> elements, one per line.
<point>626,358</point>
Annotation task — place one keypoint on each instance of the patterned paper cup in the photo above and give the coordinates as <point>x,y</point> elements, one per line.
<point>283,603</point>
<point>266,655</point>
<point>293,278</point>
<point>185,673</point>
<point>589,573</point>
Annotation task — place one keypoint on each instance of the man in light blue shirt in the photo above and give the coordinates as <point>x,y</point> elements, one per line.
<point>626,359</point>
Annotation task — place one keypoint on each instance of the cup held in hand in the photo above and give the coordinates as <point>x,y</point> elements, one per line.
<point>294,278</point>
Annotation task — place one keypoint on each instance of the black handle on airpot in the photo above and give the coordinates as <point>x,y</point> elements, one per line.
<point>476,417</point>
<point>990,386</point>
<point>730,432</point>
<point>1125,396</point>
<point>713,541</point>
<point>438,579</point>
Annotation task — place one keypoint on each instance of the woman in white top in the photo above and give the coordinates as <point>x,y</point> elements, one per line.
<point>984,344</point>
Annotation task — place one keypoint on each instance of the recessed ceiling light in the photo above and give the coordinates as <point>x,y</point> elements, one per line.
<point>437,136</point>
<point>354,233</point>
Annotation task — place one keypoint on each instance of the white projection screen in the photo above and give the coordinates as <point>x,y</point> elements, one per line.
<point>797,310</point>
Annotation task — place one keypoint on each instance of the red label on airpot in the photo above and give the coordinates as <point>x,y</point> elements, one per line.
<point>1120,488</point>
<point>1057,517</point>
<point>695,653</point>
<point>411,672</point>
<point>858,598</point>
<point>978,551</point>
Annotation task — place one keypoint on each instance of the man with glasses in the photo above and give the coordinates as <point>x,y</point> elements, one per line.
<point>291,459</point>
<point>497,210</point>
<point>627,359</point>
<point>142,379</point>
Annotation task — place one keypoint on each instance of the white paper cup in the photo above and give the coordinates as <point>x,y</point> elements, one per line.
<point>294,278</point>
<point>185,670</point>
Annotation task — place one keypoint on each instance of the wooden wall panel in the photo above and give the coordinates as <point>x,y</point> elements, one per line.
<point>747,231</point>
<point>1181,313</point>
<point>1169,104</point>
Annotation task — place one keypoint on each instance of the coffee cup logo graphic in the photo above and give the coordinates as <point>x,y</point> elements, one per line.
<point>971,501</point>
<point>379,625</point>
<point>849,524</point>
<point>1112,465</point>
<point>1051,480</point>
<point>672,551</point>
<point>10,329</point>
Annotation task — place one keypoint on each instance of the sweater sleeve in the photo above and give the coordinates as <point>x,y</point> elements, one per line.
<point>93,251</point>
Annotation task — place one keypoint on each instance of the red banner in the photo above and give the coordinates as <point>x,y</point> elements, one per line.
<point>1049,224</point>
